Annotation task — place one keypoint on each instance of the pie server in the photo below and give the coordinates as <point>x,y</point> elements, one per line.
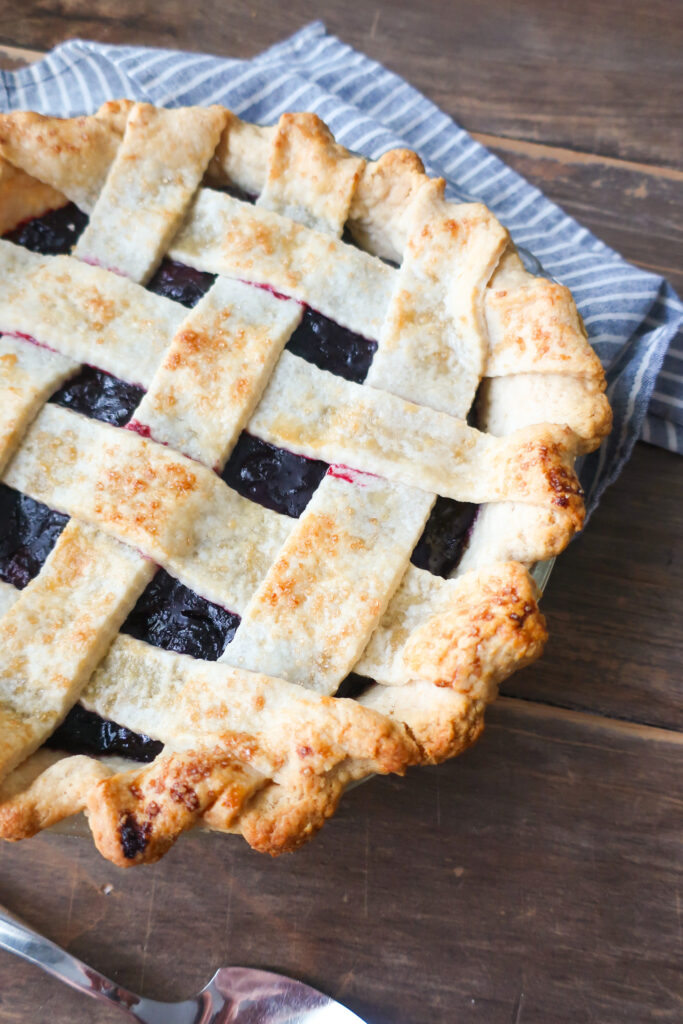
<point>235,995</point>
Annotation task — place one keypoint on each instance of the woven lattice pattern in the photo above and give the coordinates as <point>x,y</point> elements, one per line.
<point>257,742</point>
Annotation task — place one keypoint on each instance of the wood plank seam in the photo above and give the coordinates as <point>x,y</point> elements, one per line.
<point>574,156</point>
<point>648,733</point>
<point>19,53</point>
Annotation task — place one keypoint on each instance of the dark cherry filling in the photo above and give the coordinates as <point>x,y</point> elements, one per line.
<point>168,614</point>
<point>171,616</point>
<point>84,732</point>
<point>446,532</point>
<point>331,347</point>
<point>52,234</point>
<point>353,685</point>
<point>181,283</point>
<point>99,395</point>
<point>237,193</point>
<point>273,477</point>
<point>29,532</point>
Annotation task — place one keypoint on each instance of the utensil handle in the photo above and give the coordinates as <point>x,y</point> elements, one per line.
<point>17,937</point>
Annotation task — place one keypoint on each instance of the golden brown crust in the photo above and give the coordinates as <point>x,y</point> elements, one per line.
<point>379,213</point>
<point>491,626</point>
<point>548,463</point>
<point>137,813</point>
<point>73,155</point>
<point>24,197</point>
<point>540,364</point>
<point>45,789</point>
<point>442,721</point>
<point>136,816</point>
<point>280,820</point>
<point>537,325</point>
<point>311,179</point>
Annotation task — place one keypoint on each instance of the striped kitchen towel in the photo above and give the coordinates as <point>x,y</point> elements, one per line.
<point>634,318</point>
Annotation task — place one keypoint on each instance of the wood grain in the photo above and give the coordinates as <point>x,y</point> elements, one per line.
<point>536,879</point>
<point>635,208</point>
<point>615,604</point>
<point>604,78</point>
<point>14,57</point>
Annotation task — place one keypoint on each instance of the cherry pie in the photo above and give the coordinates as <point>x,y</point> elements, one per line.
<point>281,432</point>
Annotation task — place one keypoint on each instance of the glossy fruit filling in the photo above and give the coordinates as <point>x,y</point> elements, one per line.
<point>167,614</point>
<point>84,732</point>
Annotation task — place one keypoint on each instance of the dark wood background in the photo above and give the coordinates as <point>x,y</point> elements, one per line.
<point>537,878</point>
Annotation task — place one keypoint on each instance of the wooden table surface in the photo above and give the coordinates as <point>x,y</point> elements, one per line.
<point>535,879</point>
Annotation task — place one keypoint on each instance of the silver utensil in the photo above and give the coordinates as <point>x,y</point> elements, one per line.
<point>235,995</point>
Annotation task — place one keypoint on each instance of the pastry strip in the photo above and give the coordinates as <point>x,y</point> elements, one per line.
<point>311,179</point>
<point>320,415</point>
<point>432,348</point>
<point>215,370</point>
<point>54,635</point>
<point>156,171</point>
<point>188,703</point>
<point>86,313</point>
<point>72,154</point>
<point>28,376</point>
<point>232,238</point>
<point>325,593</point>
<point>23,197</point>
<point>178,512</point>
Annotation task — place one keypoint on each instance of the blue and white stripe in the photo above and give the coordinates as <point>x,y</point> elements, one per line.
<point>634,318</point>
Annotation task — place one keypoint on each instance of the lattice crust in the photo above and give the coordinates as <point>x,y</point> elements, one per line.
<point>180,513</point>
<point>225,236</point>
<point>310,178</point>
<point>215,370</point>
<point>50,645</point>
<point>246,750</point>
<point>156,170</point>
<point>85,312</point>
<point>323,416</point>
<point>309,745</point>
<point>433,345</point>
<point>325,593</point>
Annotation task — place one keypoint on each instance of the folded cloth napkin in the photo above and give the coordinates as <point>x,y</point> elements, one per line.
<point>634,318</point>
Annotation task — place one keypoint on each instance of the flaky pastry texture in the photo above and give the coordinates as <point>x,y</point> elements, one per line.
<point>483,389</point>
